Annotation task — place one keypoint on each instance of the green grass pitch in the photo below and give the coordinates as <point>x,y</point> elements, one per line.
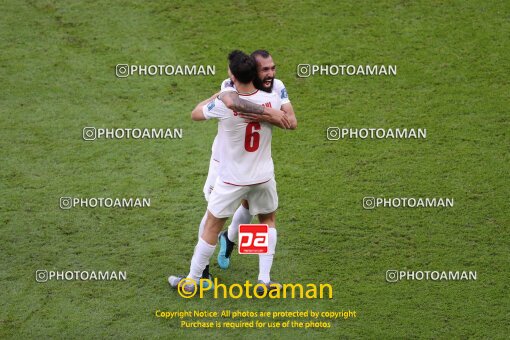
<point>57,61</point>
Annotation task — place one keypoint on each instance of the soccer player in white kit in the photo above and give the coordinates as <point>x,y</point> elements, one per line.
<point>265,81</point>
<point>246,170</point>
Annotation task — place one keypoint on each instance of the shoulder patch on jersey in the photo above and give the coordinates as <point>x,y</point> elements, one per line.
<point>284,94</point>
<point>210,106</point>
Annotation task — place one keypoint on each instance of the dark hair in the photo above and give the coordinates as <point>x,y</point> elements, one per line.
<point>263,53</point>
<point>242,66</point>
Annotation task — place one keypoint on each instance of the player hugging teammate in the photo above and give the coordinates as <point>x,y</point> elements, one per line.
<point>240,182</point>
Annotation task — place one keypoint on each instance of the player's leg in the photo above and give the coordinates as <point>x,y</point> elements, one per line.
<point>228,238</point>
<point>206,273</point>
<point>212,174</point>
<point>264,202</point>
<point>241,216</point>
<point>266,260</point>
<point>204,249</point>
<point>201,226</point>
<point>205,246</point>
<point>223,202</point>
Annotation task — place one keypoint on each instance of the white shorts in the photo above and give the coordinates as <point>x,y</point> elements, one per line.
<point>225,199</point>
<point>211,178</point>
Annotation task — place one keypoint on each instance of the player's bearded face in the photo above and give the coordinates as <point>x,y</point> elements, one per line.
<point>265,74</point>
<point>264,84</point>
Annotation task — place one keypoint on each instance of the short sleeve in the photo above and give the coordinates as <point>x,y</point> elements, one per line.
<point>280,89</point>
<point>215,109</point>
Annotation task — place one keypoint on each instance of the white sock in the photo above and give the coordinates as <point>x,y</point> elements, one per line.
<point>201,256</point>
<point>266,260</point>
<point>241,216</point>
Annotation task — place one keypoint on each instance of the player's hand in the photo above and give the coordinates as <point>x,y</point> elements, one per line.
<point>252,117</point>
<point>270,115</point>
<point>277,117</point>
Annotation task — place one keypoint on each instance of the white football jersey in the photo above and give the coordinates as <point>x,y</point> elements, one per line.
<point>243,149</point>
<point>228,85</point>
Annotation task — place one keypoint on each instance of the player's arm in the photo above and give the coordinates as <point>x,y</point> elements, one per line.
<point>270,115</point>
<point>289,112</point>
<point>273,116</point>
<point>232,101</point>
<point>197,113</point>
<point>257,112</point>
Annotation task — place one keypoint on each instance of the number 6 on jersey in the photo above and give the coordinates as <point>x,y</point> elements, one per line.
<point>252,137</point>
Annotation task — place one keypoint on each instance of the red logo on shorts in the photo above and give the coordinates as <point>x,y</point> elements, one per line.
<point>253,238</point>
